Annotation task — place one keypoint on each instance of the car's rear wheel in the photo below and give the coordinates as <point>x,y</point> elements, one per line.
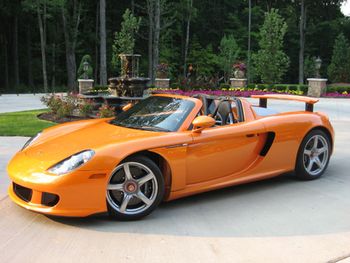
<point>313,155</point>
<point>135,189</point>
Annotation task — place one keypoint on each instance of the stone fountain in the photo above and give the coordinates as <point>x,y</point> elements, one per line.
<point>129,87</point>
<point>129,84</point>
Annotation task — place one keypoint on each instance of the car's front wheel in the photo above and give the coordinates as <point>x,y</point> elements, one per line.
<point>135,189</point>
<point>313,155</point>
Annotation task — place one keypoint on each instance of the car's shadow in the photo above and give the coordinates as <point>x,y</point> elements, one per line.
<point>276,207</point>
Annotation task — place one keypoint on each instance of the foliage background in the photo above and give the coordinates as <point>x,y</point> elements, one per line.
<point>211,20</point>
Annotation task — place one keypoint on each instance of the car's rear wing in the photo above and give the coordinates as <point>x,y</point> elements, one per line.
<point>309,102</point>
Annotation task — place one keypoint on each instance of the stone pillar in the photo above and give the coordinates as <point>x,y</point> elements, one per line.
<point>85,85</point>
<point>238,83</point>
<point>162,83</point>
<point>317,87</point>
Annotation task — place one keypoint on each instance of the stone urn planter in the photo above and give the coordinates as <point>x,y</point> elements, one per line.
<point>239,80</point>
<point>162,80</point>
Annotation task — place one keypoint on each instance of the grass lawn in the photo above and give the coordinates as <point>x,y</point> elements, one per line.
<point>23,123</point>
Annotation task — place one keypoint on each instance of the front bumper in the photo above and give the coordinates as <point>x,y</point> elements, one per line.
<point>77,194</point>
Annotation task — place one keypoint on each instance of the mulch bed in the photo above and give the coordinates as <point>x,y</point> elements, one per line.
<point>49,116</point>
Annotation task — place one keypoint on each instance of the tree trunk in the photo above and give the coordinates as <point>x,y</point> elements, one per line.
<point>103,62</point>
<point>150,10</point>
<point>70,56</point>
<point>43,49</point>
<point>249,39</point>
<point>156,38</point>
<point>187,41</point>
<point>302,26</point>
<point>29,59</point>
<point>7,82</point>
<point>133,7</point>
<point>15,50</point>
<point>71,36</point>
<point>96,42</point>
<point>53,79</point>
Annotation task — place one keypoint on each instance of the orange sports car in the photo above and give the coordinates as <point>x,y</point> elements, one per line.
<point>166,147</point>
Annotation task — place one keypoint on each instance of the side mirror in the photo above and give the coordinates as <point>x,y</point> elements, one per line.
<point>202,122</point>
<point>127,106</point>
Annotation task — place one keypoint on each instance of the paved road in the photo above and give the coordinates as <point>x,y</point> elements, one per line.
<point>278,220</point>
<point>13,102</point>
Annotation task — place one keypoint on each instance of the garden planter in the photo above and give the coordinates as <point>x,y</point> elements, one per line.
<point>162,83</point>
<point>238,83</point>
<point>85,85</point>
<point>317,87</point>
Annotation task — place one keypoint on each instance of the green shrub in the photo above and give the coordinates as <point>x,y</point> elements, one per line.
<point>65,110</point>
<point>53,102</point>
<point>86,108</point>
<point>174,85</point>
<point>264,86</point>
<point>251,86</point>
<point>331,89</point>
<point>280,87</point>
<point>303,88</point>
<point>293,87</point>
<point>106,111</point>
<point>225,86</point>
<point>339,89</point>
<point>67,106</point>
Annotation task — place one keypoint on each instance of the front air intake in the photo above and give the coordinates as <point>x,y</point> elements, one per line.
<point>48,199</point>
<point>22,192</point>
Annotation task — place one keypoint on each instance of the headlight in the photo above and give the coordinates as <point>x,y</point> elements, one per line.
<point>30,141</point>
<point>71,162</point>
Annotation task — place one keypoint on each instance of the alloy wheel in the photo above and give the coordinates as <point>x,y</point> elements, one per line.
<point>132,188</point>
<point>315,155</point>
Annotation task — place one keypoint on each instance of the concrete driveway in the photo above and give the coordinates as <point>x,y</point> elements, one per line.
<point>13,102</point>
<point>278,220</point>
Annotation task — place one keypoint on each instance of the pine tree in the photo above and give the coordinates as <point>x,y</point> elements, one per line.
<point>338,70</point>
<point>124,41</point>
<point>271,63</point>
<point>229,52</point>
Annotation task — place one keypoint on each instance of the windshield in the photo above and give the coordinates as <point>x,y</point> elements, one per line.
<point>156,114</point>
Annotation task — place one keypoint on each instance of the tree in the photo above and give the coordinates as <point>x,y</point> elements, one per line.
<point>124,41</point>
<point>41,8</point>
<point>203,60</point>
<point>188,23</point>
<point>338,70</point>
<point>71,12</point>
<point>309,67</point>
<point>302,28</point>
<point>103,60</point>
<point>229,52</point>
<point>270,61</point>
<point>249,39</point>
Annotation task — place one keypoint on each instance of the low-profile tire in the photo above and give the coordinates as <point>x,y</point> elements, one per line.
<point>135,188</point>
<point>313,155</point>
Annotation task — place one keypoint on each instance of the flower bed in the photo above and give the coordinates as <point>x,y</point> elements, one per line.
<point>245,92</point>
<point>336,95</point>
<point>237,92</point>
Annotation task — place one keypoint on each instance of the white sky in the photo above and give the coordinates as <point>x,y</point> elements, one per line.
<point>346,8</point>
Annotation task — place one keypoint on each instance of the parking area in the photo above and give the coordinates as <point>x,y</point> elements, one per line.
<point>277,220</point>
